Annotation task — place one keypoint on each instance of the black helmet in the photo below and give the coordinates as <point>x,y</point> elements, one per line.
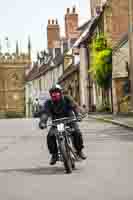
<point>55,87</point>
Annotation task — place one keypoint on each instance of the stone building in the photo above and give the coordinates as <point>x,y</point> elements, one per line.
<point>121,52</point>
<point>12,81</point>
<point>41,78</point>
<point>86,83</point>
<point>47,68</point>
<point>96,6</point>
<point>113,22</point>
<point>70,77</point>
<point>116,20</point>
<point>100,23</point>
<point>120,76</point>
<point>119,19</point>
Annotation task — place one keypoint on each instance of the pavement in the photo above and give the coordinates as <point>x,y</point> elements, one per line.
<point>25,173</point>
<point>124,120</point>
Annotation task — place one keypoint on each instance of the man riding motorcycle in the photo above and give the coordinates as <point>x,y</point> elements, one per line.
<point>59,106</point>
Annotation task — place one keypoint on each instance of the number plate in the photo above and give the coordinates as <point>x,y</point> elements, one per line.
<point>60,127</point>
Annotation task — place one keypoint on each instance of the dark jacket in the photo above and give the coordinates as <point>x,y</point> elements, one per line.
<point>60,109</point>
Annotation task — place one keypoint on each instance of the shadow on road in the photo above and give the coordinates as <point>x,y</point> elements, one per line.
<point>38,171</point>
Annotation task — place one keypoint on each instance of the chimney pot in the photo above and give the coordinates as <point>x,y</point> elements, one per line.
<point>49,21</point>
<point>74,9</point>
<point>68,10</point>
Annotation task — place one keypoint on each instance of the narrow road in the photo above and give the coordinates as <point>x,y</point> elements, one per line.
<point>25,174</point>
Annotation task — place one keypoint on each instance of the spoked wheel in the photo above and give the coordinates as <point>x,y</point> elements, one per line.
<point>73,156</point>
<point>66,157</point>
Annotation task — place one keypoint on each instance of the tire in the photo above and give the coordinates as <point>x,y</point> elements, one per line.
<point>71,154</point>
<point>66,157</point>
<point>73,163</point>
<point>72,159</point>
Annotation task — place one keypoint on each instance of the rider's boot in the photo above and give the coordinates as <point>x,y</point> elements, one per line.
<point>53,159</point>
<point>82,155</point>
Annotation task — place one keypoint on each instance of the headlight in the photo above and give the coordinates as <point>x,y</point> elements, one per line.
<point>60,127</point>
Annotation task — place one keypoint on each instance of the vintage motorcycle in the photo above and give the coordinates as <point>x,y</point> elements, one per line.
<point>64,139</point>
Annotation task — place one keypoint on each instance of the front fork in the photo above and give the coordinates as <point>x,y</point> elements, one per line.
<point>69,146</point>
<point>59,137</point>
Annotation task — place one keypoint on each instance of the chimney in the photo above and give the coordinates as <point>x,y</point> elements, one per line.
<point>53,34</point>
<point>71,24</point>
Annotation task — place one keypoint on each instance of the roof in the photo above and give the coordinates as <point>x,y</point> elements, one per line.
<point>85,35</point>
<point>83,26</point>
<point>69,52</point>
<point>58,59</point>
<point>68,72</point>
<point>37,72</point>
<point>121,42</point>
<point>88,26</point>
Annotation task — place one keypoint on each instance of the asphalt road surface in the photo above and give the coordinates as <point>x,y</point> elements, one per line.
<point>25,174</point>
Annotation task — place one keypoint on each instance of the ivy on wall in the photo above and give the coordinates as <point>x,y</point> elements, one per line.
<point>101,67</point>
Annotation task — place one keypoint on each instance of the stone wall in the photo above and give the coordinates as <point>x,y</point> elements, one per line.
<point>12,90</point>
<point>119,19</point>
<point>70,83</point>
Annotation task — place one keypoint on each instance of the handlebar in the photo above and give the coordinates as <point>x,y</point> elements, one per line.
<point>64,120</point>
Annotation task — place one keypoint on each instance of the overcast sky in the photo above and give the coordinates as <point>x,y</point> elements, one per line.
<point>22,18</point>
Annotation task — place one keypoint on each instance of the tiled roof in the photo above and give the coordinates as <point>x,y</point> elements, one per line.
<point>85,35</point>
<point>58,59</point>
<point>123,39</point>
<point>37,71</point>
<point>69,72</point>
<point>84,25</point>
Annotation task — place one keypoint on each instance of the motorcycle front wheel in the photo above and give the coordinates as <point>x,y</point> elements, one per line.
<point>66,157</point>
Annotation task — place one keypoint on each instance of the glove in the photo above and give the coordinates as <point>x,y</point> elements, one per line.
<point>42,125</point>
